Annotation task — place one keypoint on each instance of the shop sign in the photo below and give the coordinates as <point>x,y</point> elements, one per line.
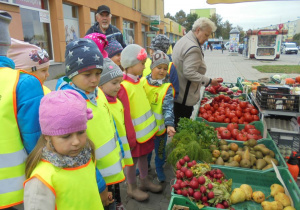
<point>30,3</point>
<point>155,20</point>
<point>268,32</point>
<point>152,28</point>
<point>151,35</point>
<point>44,17</point>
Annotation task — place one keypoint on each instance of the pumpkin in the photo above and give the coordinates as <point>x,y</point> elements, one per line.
<point>298,79</point>
<point>289,81</point>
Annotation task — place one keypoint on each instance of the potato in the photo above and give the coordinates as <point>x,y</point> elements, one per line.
<point>237,196</point>
<point>258,196</point>
<point>283,199</point>
<point>275,188</point>
<point>275,205</point>
<point>248,191</point>
<point>289,208</point>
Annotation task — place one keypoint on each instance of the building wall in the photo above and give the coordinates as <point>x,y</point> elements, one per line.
<point>174,30</point>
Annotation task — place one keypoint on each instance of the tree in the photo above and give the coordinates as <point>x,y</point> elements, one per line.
<point>190,19</point>
<point>296,38</point>
<point>168,15</point>
<point>180,17</point>
<point>217,19</point>
<point>227,27</point>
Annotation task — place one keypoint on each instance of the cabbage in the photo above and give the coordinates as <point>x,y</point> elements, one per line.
<point>276,76</point>
<point>284,76</point>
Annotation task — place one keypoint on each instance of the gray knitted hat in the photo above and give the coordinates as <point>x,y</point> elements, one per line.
<point>159,57</point>
<point>160,42</point>
<point>82,55</point>
<point>132,55</point>
<point>5,19</point>
<point>110,71</point>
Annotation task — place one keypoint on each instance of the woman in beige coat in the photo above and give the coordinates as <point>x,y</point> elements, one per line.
<point>189,61</point>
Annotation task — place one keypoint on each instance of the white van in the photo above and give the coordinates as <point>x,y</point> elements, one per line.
<point>226,45</point>
<point>289,47</point>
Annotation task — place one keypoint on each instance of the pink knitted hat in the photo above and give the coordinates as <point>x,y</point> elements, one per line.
<point>100,40</point>
<point>27,56</point>
<point>63,112</point>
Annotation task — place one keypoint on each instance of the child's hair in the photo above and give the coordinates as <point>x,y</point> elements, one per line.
<point>110,71</point>
<point>113,48</point>
<point>82,55</point>
<point>132,55</point>
<point>27,56</point>
<point>100,40</point>
<point>159,57</point>
<point>36,155</point>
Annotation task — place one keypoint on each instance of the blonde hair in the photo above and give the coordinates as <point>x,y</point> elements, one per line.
<point>36,155</point>
<point>204,23</point>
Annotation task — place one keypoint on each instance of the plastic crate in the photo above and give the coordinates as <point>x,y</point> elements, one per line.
<point>258,125</point>
<point>271,98</point>
<point>270,145</point>
<point>291,140</point>
<point>258,182</point>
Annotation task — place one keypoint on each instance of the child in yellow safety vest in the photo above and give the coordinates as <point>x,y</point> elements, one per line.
<point>84,64</point>
<point>160,93</point>
<point>60,171</point>
<point>30,58</point>
<point>111,78</point>
<point>139,121</point>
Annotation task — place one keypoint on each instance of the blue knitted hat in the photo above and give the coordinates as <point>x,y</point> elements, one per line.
<point>113,48</point>
<point>82,55</point>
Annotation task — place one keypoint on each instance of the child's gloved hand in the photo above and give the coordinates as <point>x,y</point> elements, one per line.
<point>171,131</point>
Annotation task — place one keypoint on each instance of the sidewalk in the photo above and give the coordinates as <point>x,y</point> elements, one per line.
<point>218,65</point>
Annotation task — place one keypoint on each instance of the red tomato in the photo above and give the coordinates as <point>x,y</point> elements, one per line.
<point>247,127</point>
<point>207,106</point>
<point>248,117</point>
<point>234,120</point>
<point>243,104</point>
<point>209,112</point>
<point>225,134</point>
<point>232,106</point>
<point>216,106</point>
<point>247,110</point>
<point>202,110</point>
<point>232,126</point>
<point>205,116</point>
<point>250,106</point>
<point>226,120</point>
<point>254,131</point>
<point>234,133</point>
<point>241,121</point>
<point>226,98</point>
<point>238,113</point>
<point>211,119</point>
<point>231,115</point>
<point>255,118</point>
<point>254,111</point>
<point>221,96</point>
<point>251,136</point>
<point>221,129</point>
<point>241,137</point>
<point>218,118</point>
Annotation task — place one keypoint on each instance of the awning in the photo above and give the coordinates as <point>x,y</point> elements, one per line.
<point>232,1</point>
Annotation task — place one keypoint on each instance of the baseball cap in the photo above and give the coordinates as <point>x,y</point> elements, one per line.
<point>103,8</point>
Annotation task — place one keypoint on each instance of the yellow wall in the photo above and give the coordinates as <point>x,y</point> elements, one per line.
<point>173,27</point>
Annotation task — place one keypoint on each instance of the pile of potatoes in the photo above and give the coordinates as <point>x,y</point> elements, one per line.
<point>251,155</point>
<point>245,193</point>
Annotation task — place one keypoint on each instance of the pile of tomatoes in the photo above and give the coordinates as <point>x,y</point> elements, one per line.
<point>232,132</point>
<point>223,109</point>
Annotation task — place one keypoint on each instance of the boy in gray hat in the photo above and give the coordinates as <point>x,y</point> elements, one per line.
<point>160,94</point>
<point>161,42</point>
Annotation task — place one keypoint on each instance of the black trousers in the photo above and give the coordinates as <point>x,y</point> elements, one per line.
<point>180,111</point>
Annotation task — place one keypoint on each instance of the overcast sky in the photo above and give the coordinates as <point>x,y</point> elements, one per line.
<point>248,15</point>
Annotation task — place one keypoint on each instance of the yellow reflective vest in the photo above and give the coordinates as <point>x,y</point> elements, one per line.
<point>156,95</point>
<point>12,152</point>
<point>141,114</point>
<point>46,90</point>
<point>74,188</point>
<point>147,69</point>
<point>117,110</point>
<point>102,132</point>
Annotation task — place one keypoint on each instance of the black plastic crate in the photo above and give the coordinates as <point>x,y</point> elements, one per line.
<point>291,140</point>
<point>277,99</point>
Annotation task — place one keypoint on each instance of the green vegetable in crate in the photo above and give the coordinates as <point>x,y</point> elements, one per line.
<point>276,77</point>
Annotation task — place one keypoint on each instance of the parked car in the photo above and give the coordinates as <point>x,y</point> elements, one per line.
<point>217,46</point>
<point>241,48</point>
<point>289,47</point>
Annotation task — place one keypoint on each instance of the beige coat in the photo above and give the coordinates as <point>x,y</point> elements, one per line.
<point>189,61</point>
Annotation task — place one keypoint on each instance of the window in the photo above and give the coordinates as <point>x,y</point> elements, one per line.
<point>93,17</point>
<point>139,6</point>
<point>36,24</point>
<point>113,21</point>
<point>71,22</point>
<point>128,32</point>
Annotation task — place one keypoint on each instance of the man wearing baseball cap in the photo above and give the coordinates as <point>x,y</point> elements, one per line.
<point>103,26</point>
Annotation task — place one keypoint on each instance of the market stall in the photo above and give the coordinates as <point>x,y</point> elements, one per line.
<point>234,153</point>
